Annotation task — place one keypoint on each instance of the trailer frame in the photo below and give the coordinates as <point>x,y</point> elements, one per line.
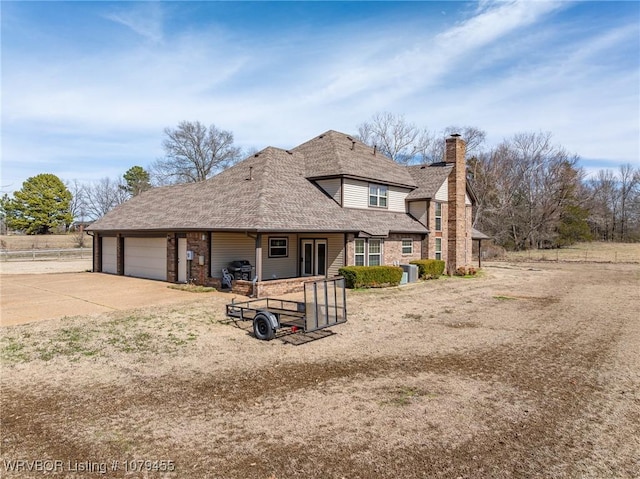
<point>324,305</point>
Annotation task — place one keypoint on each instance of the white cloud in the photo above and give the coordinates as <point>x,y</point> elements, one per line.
<point>502,68</point>
<point>145,19</point>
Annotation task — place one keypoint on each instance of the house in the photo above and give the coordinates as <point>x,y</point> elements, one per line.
<point>294,215</point>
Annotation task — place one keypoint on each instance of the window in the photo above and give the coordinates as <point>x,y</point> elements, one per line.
<point>278,247</point>
<point>367,253</point>
<point>375,252</point>
<point>359,252</point>
<point>438,216</point>
<point>438,248</point>
<point>407,246</point>
<point>378,195</point>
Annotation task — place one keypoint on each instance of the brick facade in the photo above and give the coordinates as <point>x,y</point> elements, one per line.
<point>457,217</point>
<point>392,249</point>
<point>273,287</point>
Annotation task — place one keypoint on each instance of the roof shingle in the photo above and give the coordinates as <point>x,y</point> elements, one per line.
<point>271,191</point>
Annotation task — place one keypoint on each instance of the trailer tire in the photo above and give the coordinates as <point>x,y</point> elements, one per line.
<point>262,328</point>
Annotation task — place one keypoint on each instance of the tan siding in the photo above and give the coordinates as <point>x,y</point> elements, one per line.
<point>276,268</point>
<point>228,247</point>
<point>356,194</point>
<point>333,187</point>
<point>396,199</point>
<point>418,209</point>
<point>336,253</point>
<point>443,193</point>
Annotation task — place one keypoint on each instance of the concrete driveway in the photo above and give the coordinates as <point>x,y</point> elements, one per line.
<point>31,297</point>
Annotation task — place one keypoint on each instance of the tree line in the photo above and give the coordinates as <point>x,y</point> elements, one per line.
<point>531,192</point>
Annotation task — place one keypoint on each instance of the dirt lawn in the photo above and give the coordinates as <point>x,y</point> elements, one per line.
<point>532,370</point>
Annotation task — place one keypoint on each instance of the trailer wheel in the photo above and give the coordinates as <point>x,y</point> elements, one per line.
<point>262,328</point>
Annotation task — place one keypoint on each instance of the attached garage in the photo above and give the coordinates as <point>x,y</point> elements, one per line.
<point>146,258</point>
<point>109,255</point>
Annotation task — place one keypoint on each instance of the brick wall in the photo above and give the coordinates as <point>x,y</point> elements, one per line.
<point>392,249</point>
<point>97,253</point>
<point>273,288</point>
<point>199,243</point>
<point>456,222</point>
<point>172,255</point>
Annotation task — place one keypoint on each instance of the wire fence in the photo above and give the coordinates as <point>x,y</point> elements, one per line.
<point>46,254</point>
<point>620,253</point>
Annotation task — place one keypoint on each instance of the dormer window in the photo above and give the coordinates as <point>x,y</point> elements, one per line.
<point>378,196</point>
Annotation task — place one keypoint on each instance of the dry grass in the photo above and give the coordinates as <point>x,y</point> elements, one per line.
<point>598,252</point>
<point>532,370</point>
<point>29,242</point>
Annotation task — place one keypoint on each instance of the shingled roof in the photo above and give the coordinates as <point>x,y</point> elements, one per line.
<point>429,179</point>
<point>266,192</point>
<point>337,154</point>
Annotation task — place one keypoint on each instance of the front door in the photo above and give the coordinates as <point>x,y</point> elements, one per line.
<point>314,257</point>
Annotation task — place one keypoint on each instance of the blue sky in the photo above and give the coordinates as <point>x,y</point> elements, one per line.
<point>88,87</point>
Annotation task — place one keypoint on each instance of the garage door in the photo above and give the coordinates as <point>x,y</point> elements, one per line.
<point>109,255</point>
<point>145,258</point>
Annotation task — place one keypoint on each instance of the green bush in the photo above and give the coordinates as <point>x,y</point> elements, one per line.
<point>429,268</point>
<point>371,276</point>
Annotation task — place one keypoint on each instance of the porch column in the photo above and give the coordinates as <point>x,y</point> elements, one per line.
<point>259,256</point>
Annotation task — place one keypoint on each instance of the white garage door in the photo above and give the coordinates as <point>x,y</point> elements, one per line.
<point>109,255</point>
<point>145,258</point>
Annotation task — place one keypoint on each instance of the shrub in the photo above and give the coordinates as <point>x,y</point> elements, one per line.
<point>464,271</point>
<point>371,276</point>
<point>429,268</point>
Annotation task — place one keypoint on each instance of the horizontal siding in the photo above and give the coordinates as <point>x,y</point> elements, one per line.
<point>396,199</point>
<point>277,268</point>
<point>418,209</point>
<point>336,253</point>
<point>228,247</point>
<point>443,193</point>
<point>332,187</point>
<point>356,195</point>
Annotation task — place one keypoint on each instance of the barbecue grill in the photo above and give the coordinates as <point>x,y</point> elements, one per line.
<point>240,269</point>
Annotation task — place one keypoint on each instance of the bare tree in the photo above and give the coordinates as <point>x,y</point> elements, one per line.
<point>77,205</point>
<point>629,182</point>
<point>194,153</point>
<point>615,204</point>
<point>526,186</point>
<point>605,199</point>
<point>396,138</point>
<point>104,195</point>
<point>405,143</point>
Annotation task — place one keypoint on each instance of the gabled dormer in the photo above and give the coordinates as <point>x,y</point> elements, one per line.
<point>356,175</point>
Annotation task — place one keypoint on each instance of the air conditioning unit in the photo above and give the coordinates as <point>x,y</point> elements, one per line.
<point>412,272</point>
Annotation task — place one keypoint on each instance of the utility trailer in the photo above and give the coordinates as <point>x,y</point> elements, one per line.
<point>324,305</point>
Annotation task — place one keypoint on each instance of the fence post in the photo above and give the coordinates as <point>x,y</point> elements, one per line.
<point>33,254</point>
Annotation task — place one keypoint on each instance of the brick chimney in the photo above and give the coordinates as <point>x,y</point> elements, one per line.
<point>457,186</point>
